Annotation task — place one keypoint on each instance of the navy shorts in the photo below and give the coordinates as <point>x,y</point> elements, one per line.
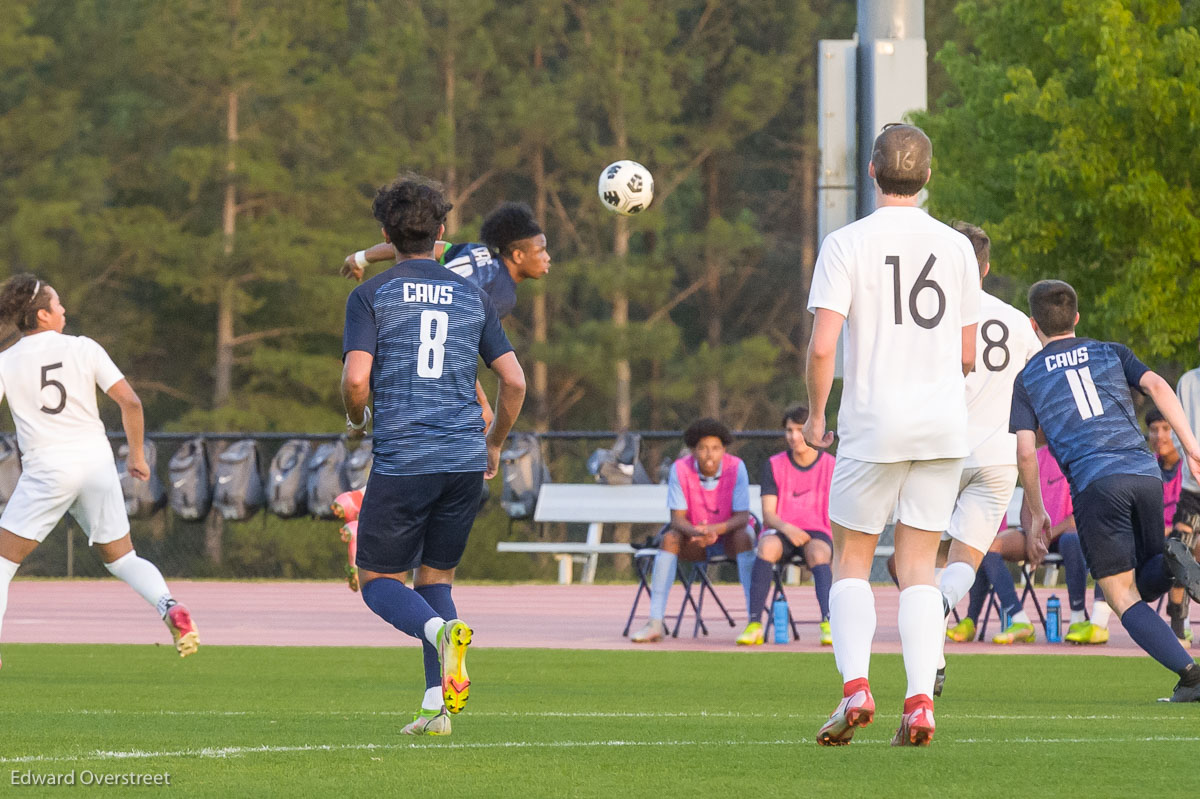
<point>414,520</point>
<point>790,550</point>
<point>1120,523</point>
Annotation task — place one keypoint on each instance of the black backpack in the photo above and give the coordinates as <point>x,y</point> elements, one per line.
<point>326,478</point>
<point>524,472</point>
<point>238,488</point>
<point>287,481</point>
<point>190,494</point>
<point>10,467</point>
<point>358,466</point>
<point>142,499</point>
<point>619,465</point>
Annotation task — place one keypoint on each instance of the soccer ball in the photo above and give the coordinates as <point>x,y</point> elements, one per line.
<point>626,187</point>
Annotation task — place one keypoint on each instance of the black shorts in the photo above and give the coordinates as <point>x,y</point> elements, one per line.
<point>790,550</point>
<point>415,520</point>
<point>1119,518</point>
<point>1188,510</point>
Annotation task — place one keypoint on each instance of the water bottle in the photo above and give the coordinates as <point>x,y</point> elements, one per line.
<point>1005,619</point>
<point>779,618</point>
<point>1053,620</point>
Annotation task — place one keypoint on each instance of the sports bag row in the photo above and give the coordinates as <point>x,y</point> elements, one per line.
<point>303,478</point>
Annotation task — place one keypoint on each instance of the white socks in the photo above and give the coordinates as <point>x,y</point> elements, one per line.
<point>922,630</point>
<point>1101,613</point>
<point>852,623</point>
<point>1020,617</point>
<point>957,579</point>
<point>1077,616</point>
<point>661,579</point>
<point>143,577</point>
<point>433,628</point>
<point>433,699</point>
<point>7,570</point>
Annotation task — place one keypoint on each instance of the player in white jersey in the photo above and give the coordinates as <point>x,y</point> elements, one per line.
<point>50,381</point>
<point>1005,343</point>
<point>905,288</point>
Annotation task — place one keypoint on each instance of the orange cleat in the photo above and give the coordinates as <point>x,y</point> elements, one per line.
<point>916,725</point>
<point>347,505</point>
<point>857,709</point>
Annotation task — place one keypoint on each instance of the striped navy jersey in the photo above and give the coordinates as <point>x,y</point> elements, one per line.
<point>1078,391</point>
<point>476,263</point>
<point>426,327</point>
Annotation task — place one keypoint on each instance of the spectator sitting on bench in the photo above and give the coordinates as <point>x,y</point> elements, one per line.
<point>708,495</point>
<point>1011,545</point>
<point>795,497</point>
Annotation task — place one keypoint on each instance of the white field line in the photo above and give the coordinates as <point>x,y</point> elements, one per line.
<point>584,714</point>
<point>240,751</point>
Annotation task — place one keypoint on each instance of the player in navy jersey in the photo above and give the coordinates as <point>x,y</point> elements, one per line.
<point>514,250</point>
<point>1078,391</point>
<point>413,337</point>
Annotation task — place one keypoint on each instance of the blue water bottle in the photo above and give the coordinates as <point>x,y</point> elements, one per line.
<point>779,618</point>
<point>1053,620</point>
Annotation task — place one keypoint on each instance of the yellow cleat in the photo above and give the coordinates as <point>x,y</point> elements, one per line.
<point>963,631</point>
<point>183,630</point>
<point>752,635</point>
<point>826,634</point>
<point>1017,633</point>
<point>1084,632</point>
<point>453,641</point>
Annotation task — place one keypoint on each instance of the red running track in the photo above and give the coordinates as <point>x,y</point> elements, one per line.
<point>328,614</point>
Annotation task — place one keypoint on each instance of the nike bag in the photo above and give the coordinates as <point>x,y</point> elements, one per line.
<point>142,498</point>
<point>326,478</point>
<point>190,495</point>
<point>287,481</point>
<point>238,493</point>
<point>10,467</point>
<point>524,472</point>
<point>358,466</point>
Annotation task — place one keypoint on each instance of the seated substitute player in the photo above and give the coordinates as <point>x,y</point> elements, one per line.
<point>795,500</point>
<point>1078,391</point>
<point>1016,545</point>
<point>1185,522</point>
<point>906,289</point>
<point>708,494</point>
<point>414,335</point>
<point>1170,465</point>
<point>67,465</point>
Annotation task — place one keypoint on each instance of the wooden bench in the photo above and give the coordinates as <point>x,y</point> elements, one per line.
<point>596,505</point>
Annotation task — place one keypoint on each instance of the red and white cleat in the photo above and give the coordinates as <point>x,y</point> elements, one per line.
<point>183,630</point>
<point>857,709</point>
<point>347,505</point>
<point>349,534</point>
<point>916,725</point>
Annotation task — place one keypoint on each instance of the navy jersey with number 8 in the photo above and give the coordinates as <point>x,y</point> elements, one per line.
<point>426,327</point>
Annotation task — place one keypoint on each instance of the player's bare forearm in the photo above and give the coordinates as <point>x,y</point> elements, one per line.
<point>133,420</point>
<point>681,524</point>
<point>1168,404</point>
<point>485,407</point>
<point>968,349</point>
<point>818,373</point>
<point>1067,525</point>
<point>737,521</point>
<point>1027,469</point>
<point>356,384</point>
<point>509,399</point>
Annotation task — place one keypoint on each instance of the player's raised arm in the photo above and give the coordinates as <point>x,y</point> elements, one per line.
<point>134,422</point>
<point>356,263</point>
<point>508,406</point>
<point>1164,398</point>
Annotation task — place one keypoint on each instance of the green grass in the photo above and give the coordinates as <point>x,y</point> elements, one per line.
<point>312,722</point>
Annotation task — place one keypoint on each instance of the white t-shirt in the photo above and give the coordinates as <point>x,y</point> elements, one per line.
<point>1004,343</point>
<point>907,285</point>
<point>50,382</point>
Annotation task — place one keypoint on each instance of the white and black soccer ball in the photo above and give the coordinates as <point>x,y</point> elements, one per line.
<point>626,187</point>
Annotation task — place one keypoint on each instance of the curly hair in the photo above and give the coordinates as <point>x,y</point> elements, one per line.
<point>412,210</point>
<point>21,297</point>
<point>703,428</point>
<point>507,225</point>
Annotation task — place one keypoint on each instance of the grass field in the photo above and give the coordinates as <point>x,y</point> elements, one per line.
<point>312,722</point>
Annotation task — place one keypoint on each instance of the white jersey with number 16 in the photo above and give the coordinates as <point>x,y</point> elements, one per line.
<point>907,285</point>
<point>50,382</point>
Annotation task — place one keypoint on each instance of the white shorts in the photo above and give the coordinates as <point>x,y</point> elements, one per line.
<point>863,495</point>
<point>983,496</point>
<point>88,488</point>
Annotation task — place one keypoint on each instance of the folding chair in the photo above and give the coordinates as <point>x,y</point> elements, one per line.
<point>1051,561</point>
<point>643,562</point>
<point>698,573</point>
<point>777,591</point>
